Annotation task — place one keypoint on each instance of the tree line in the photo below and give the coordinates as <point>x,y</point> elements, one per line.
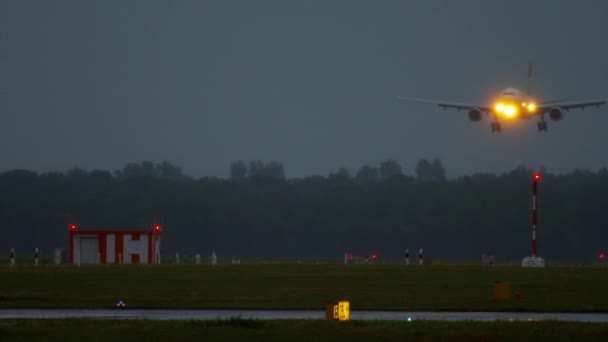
<point>425,171</point>
<point>257,212</point>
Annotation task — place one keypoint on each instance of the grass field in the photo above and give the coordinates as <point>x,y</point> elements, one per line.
<point>252,330</point>
<point>304,286</point>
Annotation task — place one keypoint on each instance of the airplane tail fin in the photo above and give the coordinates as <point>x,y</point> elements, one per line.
<point>529,79</point>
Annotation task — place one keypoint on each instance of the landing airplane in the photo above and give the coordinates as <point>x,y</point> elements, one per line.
<point>513,104</point>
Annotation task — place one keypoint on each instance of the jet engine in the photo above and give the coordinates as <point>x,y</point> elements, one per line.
<point>475,114</point>
<point>556,114</point>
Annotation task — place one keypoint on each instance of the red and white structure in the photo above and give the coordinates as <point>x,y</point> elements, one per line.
<point>534,261</point>
<point>115,246</point>
<point>535,180</point>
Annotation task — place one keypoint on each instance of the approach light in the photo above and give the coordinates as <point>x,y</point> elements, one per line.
<point>536,176</point>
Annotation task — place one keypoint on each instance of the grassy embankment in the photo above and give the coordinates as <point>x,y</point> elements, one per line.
<point>304,286</point>
<point>252,330</point>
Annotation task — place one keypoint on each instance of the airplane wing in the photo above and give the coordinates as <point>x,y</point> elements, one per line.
<point>445,104</point>
<point>567,105</point>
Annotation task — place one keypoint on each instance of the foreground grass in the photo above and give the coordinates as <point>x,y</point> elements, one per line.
<point>304,286</point>
<point>303,330</point>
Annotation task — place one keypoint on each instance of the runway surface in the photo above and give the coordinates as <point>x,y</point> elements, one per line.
<point>296,314</point>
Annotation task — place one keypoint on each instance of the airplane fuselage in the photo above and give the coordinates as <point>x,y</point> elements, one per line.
<point>513,104</point>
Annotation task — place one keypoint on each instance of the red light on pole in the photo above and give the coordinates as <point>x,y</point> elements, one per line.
<point>72,227</point>
<point>157,227</point>
<point>536,177</point>
<point>602,256</point>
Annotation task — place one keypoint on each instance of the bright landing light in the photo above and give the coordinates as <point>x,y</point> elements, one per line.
<point>510,111</point>
<point>531,107</point>
<point>507,110</point>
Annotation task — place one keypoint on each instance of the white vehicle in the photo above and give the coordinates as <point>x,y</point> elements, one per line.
<point>513,104</point>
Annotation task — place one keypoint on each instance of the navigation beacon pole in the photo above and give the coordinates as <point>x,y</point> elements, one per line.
<point>535,180</point>
<point>534,261</point>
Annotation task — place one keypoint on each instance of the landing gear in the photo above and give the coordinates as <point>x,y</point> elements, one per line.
<point>542,124</point>
<point>496,127</point>
<point>495,124</point>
